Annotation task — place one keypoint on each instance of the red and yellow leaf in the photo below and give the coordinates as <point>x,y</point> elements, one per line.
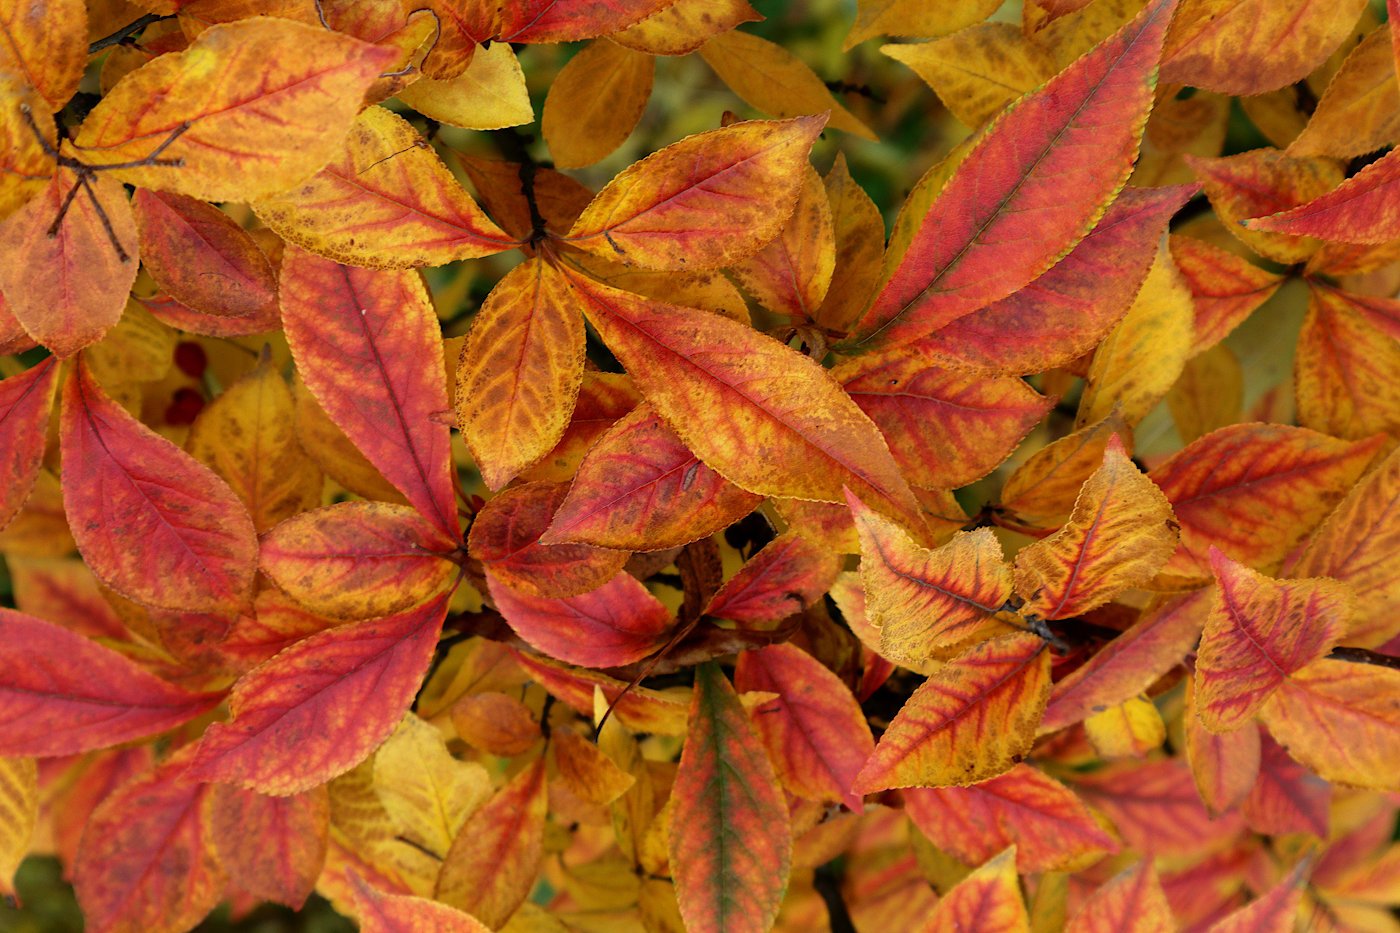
<point>640,708</point>
<point>19,814</point>
<point>46,45</point>
<point>1155,807</point>
<point>1225,287</point>
<point>1043,489</point>
<point>320,707</point>
<point>1287,798</point>
<point>1364,208</point>
<point>988,899</point>
<point>1346,370</point>
<point>378,912</point>
<point>791,275</point>
<point>1275,911</point>
<point>585,770</point>
<point>787,575</point>
<point>617,623</point>
<point>859,233</point>
<point>730,842</point>
<point>1226,767</point>
<point>25,403</point>
<point>973,719</point>
<point>684,26</point>
<point>274,847</point>
<point>1133,902</point>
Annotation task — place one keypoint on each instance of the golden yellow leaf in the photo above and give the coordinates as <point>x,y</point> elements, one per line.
<point>1131,729</point>
<point>915,18</point>
<point>977,72</point>
<point>791,274</point>
<point>1208,395</point>
<point>19,813</point>
<point>425,791</point>
<point>595,102</point>
<point>684,26</point>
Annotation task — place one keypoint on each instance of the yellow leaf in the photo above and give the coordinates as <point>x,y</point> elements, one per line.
<point>489,95</point>
<point>595,102</point>
<point>977,72</point>
<point>915,18</point>
<point>19,813</point>
<point>1131,729</point>
<point>792,274</point>
<point>425,791</point>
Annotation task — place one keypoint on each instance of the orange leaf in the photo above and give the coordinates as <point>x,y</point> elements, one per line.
<point>1254,491</point>
<point>169,311</point>
<point>1042,491</point>
<point>1050,827</point>
<point>1050,164</point>
<point>321,706</point>
<point>1287,798</point>
<point>640,708</point>
<point>384,200</point>
<point>278,623</point>
<point>945,428</point>
<point>135,500</point>
<point>922,600</point>
<point>1342,720</point>
<point>987,900</point>
<point>274,847</point>
<point>640,488</point>
<point>520,370</point>
<point>1119,535</point>
<point>1226,767</point>
<point>1225,288</point>
<point>1359,544</point>
<point>730,842</point>
<point>704,202</point>
<point>25,403</point>
<point>45,44</point>
<point>378,912</point>
<point>617,623</point>
<point>913,18</point>
<point>792,274</point>
<point>1132,902</point>
<point>558,197</point>
<point>358,560</point>
<point>973,719</point>
<point>200,257</point>
<point>786,576</point>
<point>1357,113</point>
<point>146,863</point>
<point>370,349</point>
<point>496,856</point>
<point>69,289</point>
<point>1346,372</point>
<point>1275,911</point>
<point>728,391</point>
<point>1155,808</point>
<point>62,693</point>
<point>1253,46</point>
<point>505,537</point>
<point>594,102</point>
<point>585,770</point>
<point>1259,632</point>
<point>1064,313</point>
<point>684,26</point>
<point>815,732</point>
<point>1364,208</point>
<point>859,232</point>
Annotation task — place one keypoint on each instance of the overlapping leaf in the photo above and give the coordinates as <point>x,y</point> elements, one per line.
<point>1132,902</point>
<point>595,102</point>
<point>274,846</point>
<point>46,44</point>
<point>401,913</point>
<point>1364,208</point>
<point>25,401</point>
<point>19,814</point>
<point>988,899</point>
<point>789,574</point>
<point>617,623</point>
<point>1225,287</point>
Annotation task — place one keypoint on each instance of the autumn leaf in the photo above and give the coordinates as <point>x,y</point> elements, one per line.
<point>25,401</point>
<point>1043,489</point>
<point>787,575</point>
<point>1132,902</point>
<point>1155,807</point>
<point>639,708</point>
<point>274,846</point>
<point>19,814</point>
<point>46,45</point>
<point>988,899</point>
<point>427,793</point>
<point>1287,797</point>
<point>791,275</point>
<point>903,18</point>
<point>730,843</point>
<point>378,912</point>
<point>1364,208</point>
<point>1345,369</point>
<point>1225,288</point>
<point>489,95</point>
<point>1225,766</point>
<point>1275,911</point>
<point>595,102</point>
<point>616,623</point>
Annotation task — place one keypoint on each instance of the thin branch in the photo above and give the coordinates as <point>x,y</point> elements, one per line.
<point>126,32</point>
<point>1365,656</point>
<point>102,216</point>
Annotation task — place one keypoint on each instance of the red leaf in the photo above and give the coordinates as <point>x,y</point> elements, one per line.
<point>730,841</point>
<point>1276,911</point>
<point>1226,767</point>
<point>319,708</point>
<point>61,693</point>
<point>1132,902</point>
<point>640,709</point>
<point>789,574</point>
<point>136,501</point>
<point>816,734</point>
<point>25,401</point>
<point>988,900</point>
<point>1155,807</point>
<point>1225,288</point>
<point>1050,164</point>
<point>618,623</point>
<point>399,913</point>
<point>1363,209</point>
<point>369,347</point>
<point>274,847</point>
<point>1287,798</point>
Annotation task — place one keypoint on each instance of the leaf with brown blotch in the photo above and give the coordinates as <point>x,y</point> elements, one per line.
<point>134,499</point>
<point>378,912</point>
<point>359,560</point>
<point>594,102</point>
<point>913,18</point>
<point>729,391</point>
<point>1360,110</point>
<point>489,95</point>
<point>426,792</point>
<point>987,900</point>
<point>977,72</point>
<point>1120,534</point>
<point>505,536</point>
<point>639,488</point>
<point>200,257</point>
<point>146,863</point>
<point>1262,182</point>
<point>816,735</point>
<point>1359,544</point>
<point>1050,163</point>
<point>266,103</point>
<point>25,403</point>
<point>69,289</point>
<point>1130,663</point>
<point>1133,902</point>
<point>973,719</point>
<point>1340,719</point>
<point>922,600</point>
<point>730,842</point>
<point>19,814</point>
<point>1225,767</point>
<point>45,45</point>
<point>685,25</point>
<point>859,233</point>
<point>770,78</point>
<point>946,428</point>
<point>786,576</point>
<point>1252,46</point>
<point>383,200</point>
<point>1043,489</point>
<point>1155,807</point>
<point>792,274</point>
<point>1274,911</point>
<point>369,347</point>
<point>1260,632</point>
<point>520,370</point>
<point>1050,827</point>
<point>617,623</point>
<point>559,198</point>
<point>320,707</point>
<point>1364,208</point>
<point>247,436</point>
<point>274,847</point>
<point>639,708</point>
<point>704,202</point>
<point>1346,372</point>
<point>63,694</point>
<point>1255,491</point>
<point>493,862</point>
<point>1064,313</point>
<point>1287,798</point>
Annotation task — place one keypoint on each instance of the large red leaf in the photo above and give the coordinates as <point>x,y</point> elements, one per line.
<point>275,847</point>
<point>789,574</point>
<point>62,693</point>
<point>1275,911</point>
<point>1029,189</point>
<point>136,502</point>
<point>1287,797</point>
<point>730,841</point>
<point>320,707</point>
<point>369,347</point>
<point>1363,209</point>
<point>25,401</point>
<point>816,734</point>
